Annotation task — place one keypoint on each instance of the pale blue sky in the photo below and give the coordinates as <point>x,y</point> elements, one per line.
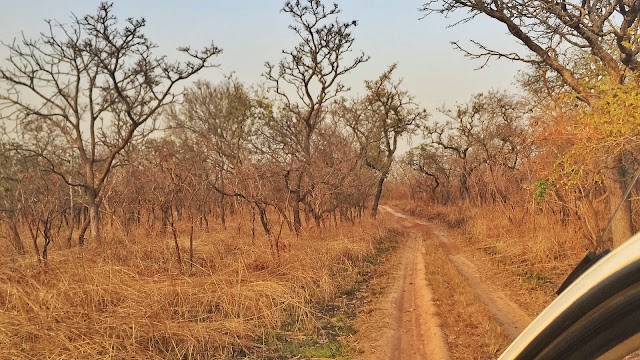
<point>251,32</point>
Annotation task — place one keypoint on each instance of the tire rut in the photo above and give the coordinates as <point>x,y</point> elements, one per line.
<point>512,318</point>
<point>409,327</point>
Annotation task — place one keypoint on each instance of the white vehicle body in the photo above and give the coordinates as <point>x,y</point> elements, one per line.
<point>597,316</point>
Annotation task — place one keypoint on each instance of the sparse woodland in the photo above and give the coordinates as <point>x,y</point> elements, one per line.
<point>144,208</point>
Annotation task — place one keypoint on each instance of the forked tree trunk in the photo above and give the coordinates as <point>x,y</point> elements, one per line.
<point>296,199</point>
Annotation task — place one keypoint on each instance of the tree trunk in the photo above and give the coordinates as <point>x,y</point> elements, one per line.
<point>622,226</point>
<point>70,226</point>
<point>16,240</point>
<point>297,221</point>
<point>264,221</point>
<point>253,226</point>
<point>296,199</point>
<point>83,231</point>
<point>223,217</point>
<point>378,194</point>
<point>94,220</point>
<point>94,216</point>
<point>71,219</point>
<point>174,232</point>
<point>33,231</point>
<point>464,187</point>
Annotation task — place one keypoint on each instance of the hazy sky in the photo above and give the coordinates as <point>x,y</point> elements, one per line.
<point>251,32</point>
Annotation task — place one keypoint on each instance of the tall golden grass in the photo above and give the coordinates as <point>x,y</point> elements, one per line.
<point>131,299</point>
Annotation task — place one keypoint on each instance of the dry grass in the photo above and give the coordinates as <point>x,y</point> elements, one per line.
<point>129,298</point>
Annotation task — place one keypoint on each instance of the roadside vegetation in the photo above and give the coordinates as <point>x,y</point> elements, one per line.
<point>233,300</point>
<point>145,213</point>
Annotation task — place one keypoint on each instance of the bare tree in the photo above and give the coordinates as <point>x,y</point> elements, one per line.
<point>43,208</point>
<point>561,38</point>
<point>97,87</point>
<point>487,133</point>
<point>431,161</point>
<point>220,118</point>
<point>307,79</point>
<point>176,183</point>
<point>556,32</point>
<point>385,116</point>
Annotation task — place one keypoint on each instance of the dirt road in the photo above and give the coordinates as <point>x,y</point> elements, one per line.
<point>405,322</point>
